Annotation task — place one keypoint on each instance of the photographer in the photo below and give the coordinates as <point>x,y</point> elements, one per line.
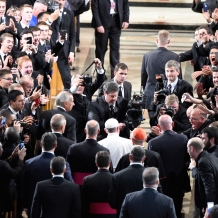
<point>78,85</point>
<point>173,85</point>
<point>173,109</point>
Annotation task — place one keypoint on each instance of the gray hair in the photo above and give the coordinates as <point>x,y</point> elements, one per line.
<point>137,153</point>
<point>173,63</point>
<point>196,143</point>
<point>110,87</point>
<point>57,121</point>
<point>25,79</point>
<point>92,127</point>
<point>14,86</point>
<point>62,97</point>
<point>150,175</point>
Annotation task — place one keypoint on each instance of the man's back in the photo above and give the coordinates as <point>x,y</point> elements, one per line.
<point>95,189</point>
<point>154,63</point>
<point>36,169</point>
<point>118,146</point>
<point>147,203</point>
<point>81,157</point>
<point>56,198</point>
<point>124,182</point>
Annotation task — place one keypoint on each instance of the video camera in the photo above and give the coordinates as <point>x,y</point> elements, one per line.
<point>52,6</point>
<point>163,92</point>
<point>134,114</point>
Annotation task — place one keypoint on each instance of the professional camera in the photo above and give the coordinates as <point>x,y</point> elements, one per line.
<point>87,80</point>
<point>134,114</point>
<point>163,92</point>
<point>214,93</point>
<point>169,111</point>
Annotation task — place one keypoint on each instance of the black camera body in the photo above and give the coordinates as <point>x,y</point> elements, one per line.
<point>134,114</point>
<point>170,111</point>
<point>162,95</point>
<point>87,80</point>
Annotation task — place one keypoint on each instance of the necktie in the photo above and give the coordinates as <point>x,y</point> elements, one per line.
<point>5,57</point>
<point>18,116</point>
<point>169,88</point>
<point>120,91</point>
<point>111,111</point>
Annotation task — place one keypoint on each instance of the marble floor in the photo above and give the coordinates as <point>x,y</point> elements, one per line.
<point>134,43</point>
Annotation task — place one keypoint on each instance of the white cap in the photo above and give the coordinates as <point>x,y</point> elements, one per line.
<point>111,123</point>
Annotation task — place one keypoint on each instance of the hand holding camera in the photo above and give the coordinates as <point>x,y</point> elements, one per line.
<point>98,63</point>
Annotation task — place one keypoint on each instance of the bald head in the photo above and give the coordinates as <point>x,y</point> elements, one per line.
<point>196,143</point>
<point>92,128</point>
<point>165,122</point>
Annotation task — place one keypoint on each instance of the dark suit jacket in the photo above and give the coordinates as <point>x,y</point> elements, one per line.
<point>147,203</point>
<point>56,198</point>
<point>99,110</point>
<point>67,23</point>
<point>7,183</point>
<point>181,87</point>
<point>154,63</point>
<point>95,189</point>
<point>101,12</point>
<point>124,182</point>
<point>192,54</point>
<point>63,145</point>
<point>37,169</point>
<point>127,86</point>
<point>44,123</point>
<point>3,97</point>
<point>190,133</point>
<point>173,151</point>
<point>153,159</point>
<point>81,156</point>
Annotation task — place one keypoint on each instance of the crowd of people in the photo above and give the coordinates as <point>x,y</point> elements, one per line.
<point>85,157</point>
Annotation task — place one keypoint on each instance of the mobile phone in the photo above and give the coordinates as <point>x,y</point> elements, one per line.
<point>7,21</point>
<point>37,102</point>
<point>3,122</point>
<point>63,34</point>
<point>216,53</point>
<point>29,40</point>
<point>206,7</point>
<point>14,66</point>
<point>55,6</point>
<point>21,145</point>
<point>38,87</point>
<point>47,47</point>
<point>209,206</point>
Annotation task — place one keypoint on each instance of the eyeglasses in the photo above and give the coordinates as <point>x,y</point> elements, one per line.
<point>44,30</point>
<point>29,87</point>
<point>9,79</point>
<point>193,118</point>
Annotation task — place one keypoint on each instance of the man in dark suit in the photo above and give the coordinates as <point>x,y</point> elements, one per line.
<point>56,197</point>
<point>64,102</point>
<point>82,94</point>
<point>148,202</point>
<point>173,84</point>
<point>81,156</point>
<point>109,106</point>
<point>7,183</point>
<point>154,63</point>
<point>127,180</point>
<point>152,158</point>
<point>66,55</point>
<point>58,125</point>
<point>209,137</point>
<point>205,171</point>
<point>120,74</point>
<point>109,17</point>
<point>38,169</point>
<point>199,121</point>
<point>26,15</point>
<point>95,189</point>
<point>6,79</point>
<point>172,149</point>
